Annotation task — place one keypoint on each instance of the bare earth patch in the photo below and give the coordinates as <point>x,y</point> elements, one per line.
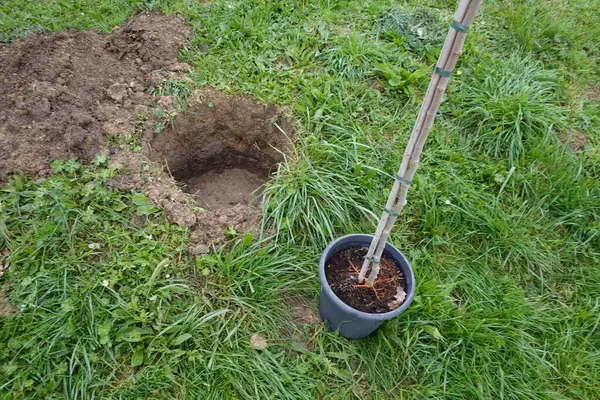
<point>594,93</point>
<point>575,139</point>
<point>63,94</point>
<point>75,94</point>
<point>6,308</point>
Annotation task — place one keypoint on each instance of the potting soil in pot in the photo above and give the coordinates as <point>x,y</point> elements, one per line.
<point>342,276</point>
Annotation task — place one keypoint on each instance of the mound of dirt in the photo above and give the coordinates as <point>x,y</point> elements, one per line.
<point>61,93</point>
<point>72,95</point>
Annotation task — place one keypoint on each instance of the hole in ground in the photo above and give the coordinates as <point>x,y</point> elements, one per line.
<point>222,148</point>
<point>224,180</point>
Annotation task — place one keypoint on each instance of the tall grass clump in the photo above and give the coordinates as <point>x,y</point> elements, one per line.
<point>567,186</point>
<point>320,190</point>
<point>355,54</point>
<point>507,103</point>
<point>547,32</point>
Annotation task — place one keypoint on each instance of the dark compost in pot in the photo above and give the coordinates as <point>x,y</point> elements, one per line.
<point>351,322</point>
<point>342,271</point>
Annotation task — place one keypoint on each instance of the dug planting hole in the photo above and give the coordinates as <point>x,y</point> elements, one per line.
<point>222,149</point>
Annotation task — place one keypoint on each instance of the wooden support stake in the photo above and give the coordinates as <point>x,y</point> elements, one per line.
<point>451,50</point>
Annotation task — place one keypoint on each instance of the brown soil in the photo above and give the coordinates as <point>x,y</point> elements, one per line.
<point>218,189</point>
<point>71,95</point>
<point>6,308</point>
<point>576,140</point>
<point>62,93</point>
<point>221,150</point>
<point>342,275</point>
<point>593,93</point>
<point>304,311</point>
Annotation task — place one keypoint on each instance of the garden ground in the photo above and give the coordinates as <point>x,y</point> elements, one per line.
<point>108,286</point>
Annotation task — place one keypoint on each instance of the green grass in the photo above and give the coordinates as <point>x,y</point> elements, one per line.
<point>22,17</point>
<point>502,225</point>
<point>504,105</point>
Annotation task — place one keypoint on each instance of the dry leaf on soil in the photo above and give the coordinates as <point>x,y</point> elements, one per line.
<point>398,298</point>
<point>258,342</point>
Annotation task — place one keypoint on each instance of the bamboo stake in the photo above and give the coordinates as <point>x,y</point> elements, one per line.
<point>408,151</point>
<point>450,37</point>
<point>425,129</point>
<point>448,44</point>
<point>451,50</point>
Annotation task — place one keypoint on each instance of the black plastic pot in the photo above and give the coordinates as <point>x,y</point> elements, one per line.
<point>352,323</point>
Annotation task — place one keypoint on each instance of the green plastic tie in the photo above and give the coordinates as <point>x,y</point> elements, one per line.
<point>390,212</point>
<point>443,72</point>
<point>374,261</point>
<point>401,180</point>
<point>458,26</point>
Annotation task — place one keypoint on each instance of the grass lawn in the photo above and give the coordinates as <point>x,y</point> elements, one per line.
<point>502,225</point>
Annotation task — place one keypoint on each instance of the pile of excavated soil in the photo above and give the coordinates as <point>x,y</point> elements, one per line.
<point>62,94</point>
<point>72,95</point>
